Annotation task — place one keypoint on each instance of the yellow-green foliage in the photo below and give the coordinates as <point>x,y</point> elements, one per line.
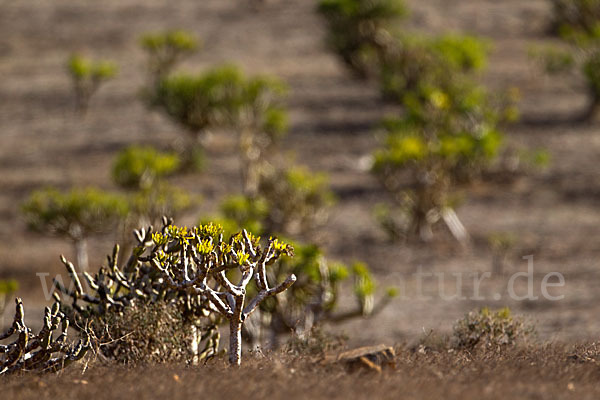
<point>82,68</point>
<point>241,211</point>
<point>8,286</point>
<point>298,200</point>
<point>260,104</point>
<point>87,75</point>
<point>140,167</point>
<point>165,50</point>
<point>576,17</point>
<point>578,24</point>
<point>358,29</point>
<point>224,96</point>
<point>160,199</point>
<point>290,202</point>
<point>199,101</point>
<point>313,299</point>
<point>75,213</point>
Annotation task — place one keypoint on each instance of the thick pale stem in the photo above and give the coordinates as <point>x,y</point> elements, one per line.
<point>194,344</point>
<point>235,341</point>
<point>82,254</point>
<point>250,162</point>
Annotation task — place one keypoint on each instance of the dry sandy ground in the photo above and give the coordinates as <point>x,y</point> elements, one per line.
<point>553,213</point>
<point>542,373</point>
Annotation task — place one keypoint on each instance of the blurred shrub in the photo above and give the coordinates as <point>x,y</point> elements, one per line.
<point>144,170</point>
<point>576,17</point>
<point>139,167</point>
<point>75,214</point>
<point>446,138</point>
<point>292,202</point>
<point>199,101</point>
<point>260,121</point>
<point>225,98</point>
<point>87,76</point>
<point>578,24</point>
<point>489,329</point>
<point>165,50</point>
<point>501,243</point>
<point>358,29</point>
<point>149,205</point>
<point>7,288</point>
<point>314,298</point>
<point>298,201</point>
<point>446,132</point>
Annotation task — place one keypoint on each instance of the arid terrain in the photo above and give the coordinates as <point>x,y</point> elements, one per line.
<point>552,212</point>
<point>541,373</point>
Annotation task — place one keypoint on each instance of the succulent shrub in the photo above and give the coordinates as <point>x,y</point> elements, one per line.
<point>359,30</point>
<point>446,129</point>
<point>49,350</point>
<point>191,270</point>
<point>7,287</point>
<point>291,202</point>
<point>165,50</point>
<point>313,299</point>
<point>260,120</point>
<point>572,16</point>
<point>444,140</point>
<point>198,103</point>
<point>578,24</point>
<point>142,170</point>
<point>225,98</point>
<point>489,329</point>
<point>298,201</point>
<point>501,243</point>
<point>75,215</point>
<point>140,167</point>
<point>87,76</point>
<point>131,312</point>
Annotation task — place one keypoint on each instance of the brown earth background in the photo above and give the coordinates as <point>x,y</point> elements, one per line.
<point>553,212</point>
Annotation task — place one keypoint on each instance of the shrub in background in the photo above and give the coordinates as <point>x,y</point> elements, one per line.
<point>298,201</point>
<point>87,76</point>
<point>578,24</point>
<point>446,131</point>
<point>260,120</point>
<point>143,171</point>
<point>359,30</point>
<point>7,288</point>
<point>140,167</point>
<point>165,50</point>
<point>75,215</point>
<point>489,329</point>
<point>576,16</point>
<point>198,103</point>
<point>313,299</point>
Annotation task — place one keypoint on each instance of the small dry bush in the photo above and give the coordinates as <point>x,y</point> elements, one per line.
<point>490,330</point>
<point>146,333</point>
<point>315,342</point>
